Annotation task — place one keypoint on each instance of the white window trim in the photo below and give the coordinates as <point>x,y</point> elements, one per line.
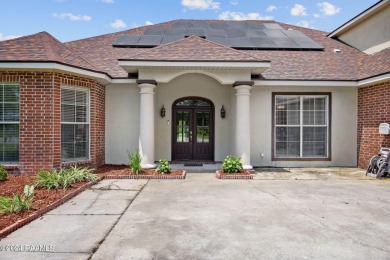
<point>81,123</point>
<point>327,97</point>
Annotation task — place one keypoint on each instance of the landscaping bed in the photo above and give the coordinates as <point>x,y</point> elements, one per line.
<point>124,172</point>
<point>245,175</point>
<point>44,200</point>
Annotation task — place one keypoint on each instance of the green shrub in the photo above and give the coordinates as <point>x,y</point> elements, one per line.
<point>164,167</point>
<point>18,202</point>
<point>3,173</point>
<point>232,164</point>
<point>135,162</point>
<point>64,178</point>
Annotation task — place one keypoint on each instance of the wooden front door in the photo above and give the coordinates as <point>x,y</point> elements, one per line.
<point>193,130</point>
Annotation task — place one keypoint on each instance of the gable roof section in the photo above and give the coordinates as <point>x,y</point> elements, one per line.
<point>194,49</point>
<point>41,47</point>
<point>375,65</point>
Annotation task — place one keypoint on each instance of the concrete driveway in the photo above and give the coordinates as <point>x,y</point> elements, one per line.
<point>205,218</point>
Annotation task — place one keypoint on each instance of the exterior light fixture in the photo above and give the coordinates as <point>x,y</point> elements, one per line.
<point>223,112</point>
<point>162,112</point>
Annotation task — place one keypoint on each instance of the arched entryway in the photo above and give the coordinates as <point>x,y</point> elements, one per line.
<point>193,129</point>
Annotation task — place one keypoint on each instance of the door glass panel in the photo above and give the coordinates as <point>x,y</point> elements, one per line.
<point>183,127</point>
<point>203,127</point>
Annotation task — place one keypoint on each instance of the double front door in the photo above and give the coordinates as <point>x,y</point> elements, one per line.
<point>193,133</point>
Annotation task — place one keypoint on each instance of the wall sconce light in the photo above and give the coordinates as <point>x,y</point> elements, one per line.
<point>162,112</point>
<point>223,112</point>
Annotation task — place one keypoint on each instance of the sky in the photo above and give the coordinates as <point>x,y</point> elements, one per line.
<point>69,20</point>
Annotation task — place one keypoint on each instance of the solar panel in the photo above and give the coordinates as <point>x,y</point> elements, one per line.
<point>200,24</point>
<point>215,32</point>
<point>237,25</point>
<point>219,25</point>
<point>182,24</point>
<point>263,43</point>
<point>235,33</point>
<point>255,25</point>
<point>154,31</point>
<point>173,38</point>
<point>149,40</point>
<point>272,26</point>
<point>293,33</point>
<point>274,33</point>
<point>197,32</point>
<point>220,40</point>
<point>255,34</point>
<point>285,43</point>
<point>306,42</point>
<point>241,43</point>
<point>175,31</point>
<point>126,40</point>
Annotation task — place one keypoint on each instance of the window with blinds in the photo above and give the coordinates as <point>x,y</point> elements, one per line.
<point>9,123</point>
<point>301,126</point>
<point>74,124</point>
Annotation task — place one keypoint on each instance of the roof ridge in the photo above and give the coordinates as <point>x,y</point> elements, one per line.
<point>198,38</point>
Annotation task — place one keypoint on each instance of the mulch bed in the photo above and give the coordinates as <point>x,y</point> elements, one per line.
<point>43,198</point>
<point>246,175</point>
<point>124,172</point>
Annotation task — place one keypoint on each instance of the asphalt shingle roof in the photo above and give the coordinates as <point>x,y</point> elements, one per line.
<point>98,54</point>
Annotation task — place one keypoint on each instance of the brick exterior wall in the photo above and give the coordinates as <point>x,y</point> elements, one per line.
<point>373,109</point>
<point>40,118</point>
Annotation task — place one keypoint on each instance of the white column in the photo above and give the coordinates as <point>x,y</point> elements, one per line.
<point>146,130</point>
<point>243,120</point>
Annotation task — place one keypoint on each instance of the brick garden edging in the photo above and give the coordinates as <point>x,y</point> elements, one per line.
<point>232,176</point>
<point>149,177</point>
<point>8,230</point>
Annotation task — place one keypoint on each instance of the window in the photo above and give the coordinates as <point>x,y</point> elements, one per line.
<point>301,126</point>
<point>74,124</point>
<point>9,123</point>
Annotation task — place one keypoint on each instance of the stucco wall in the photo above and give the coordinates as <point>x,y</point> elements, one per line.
<point>371,35</point>
<point>122,122</point>
<point>194,85</point>
<point>344,127</point>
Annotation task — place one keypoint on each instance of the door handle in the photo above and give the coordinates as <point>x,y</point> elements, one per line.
<point>190,136</point>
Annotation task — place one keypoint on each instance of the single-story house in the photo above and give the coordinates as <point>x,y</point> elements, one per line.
<point>271,93</point>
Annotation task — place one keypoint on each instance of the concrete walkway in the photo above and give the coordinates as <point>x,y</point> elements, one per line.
<point>205,218</point>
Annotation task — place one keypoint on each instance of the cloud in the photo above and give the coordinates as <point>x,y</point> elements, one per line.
<point>200,4</point>
<point>316,15</point>
<point>305,24</point>
<point>235,2</point>
<point>241,16</point>
<point>298,10</point>
<point>108,1</point>
<point>72,17</point>
<point>118,23</point>
<point>9,37</point>
<point>328,8</point>
<point>271,8</point>
<point>149,23</point>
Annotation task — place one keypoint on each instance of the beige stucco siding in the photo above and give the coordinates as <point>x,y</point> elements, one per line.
<point>122,122</point>
<point>344,126</point>
<point>371,35</point>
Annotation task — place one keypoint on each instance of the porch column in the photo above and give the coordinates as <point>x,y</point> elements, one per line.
<point>243,119</point>
<point>146,130</point>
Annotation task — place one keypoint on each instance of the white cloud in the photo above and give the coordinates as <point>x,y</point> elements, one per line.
<point>316,15</point>
<point>298,10</point>
<point>73,17</point>
<point>328,8</point>
<point>149,23</point>
<point>305,24</point>
<point>200,4</point>
<point>271,8</point>
<point>108,1</point>
<point>118,23</point>
<point>241,16</point>
<point>234,2</point>
<point>9,37</point>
